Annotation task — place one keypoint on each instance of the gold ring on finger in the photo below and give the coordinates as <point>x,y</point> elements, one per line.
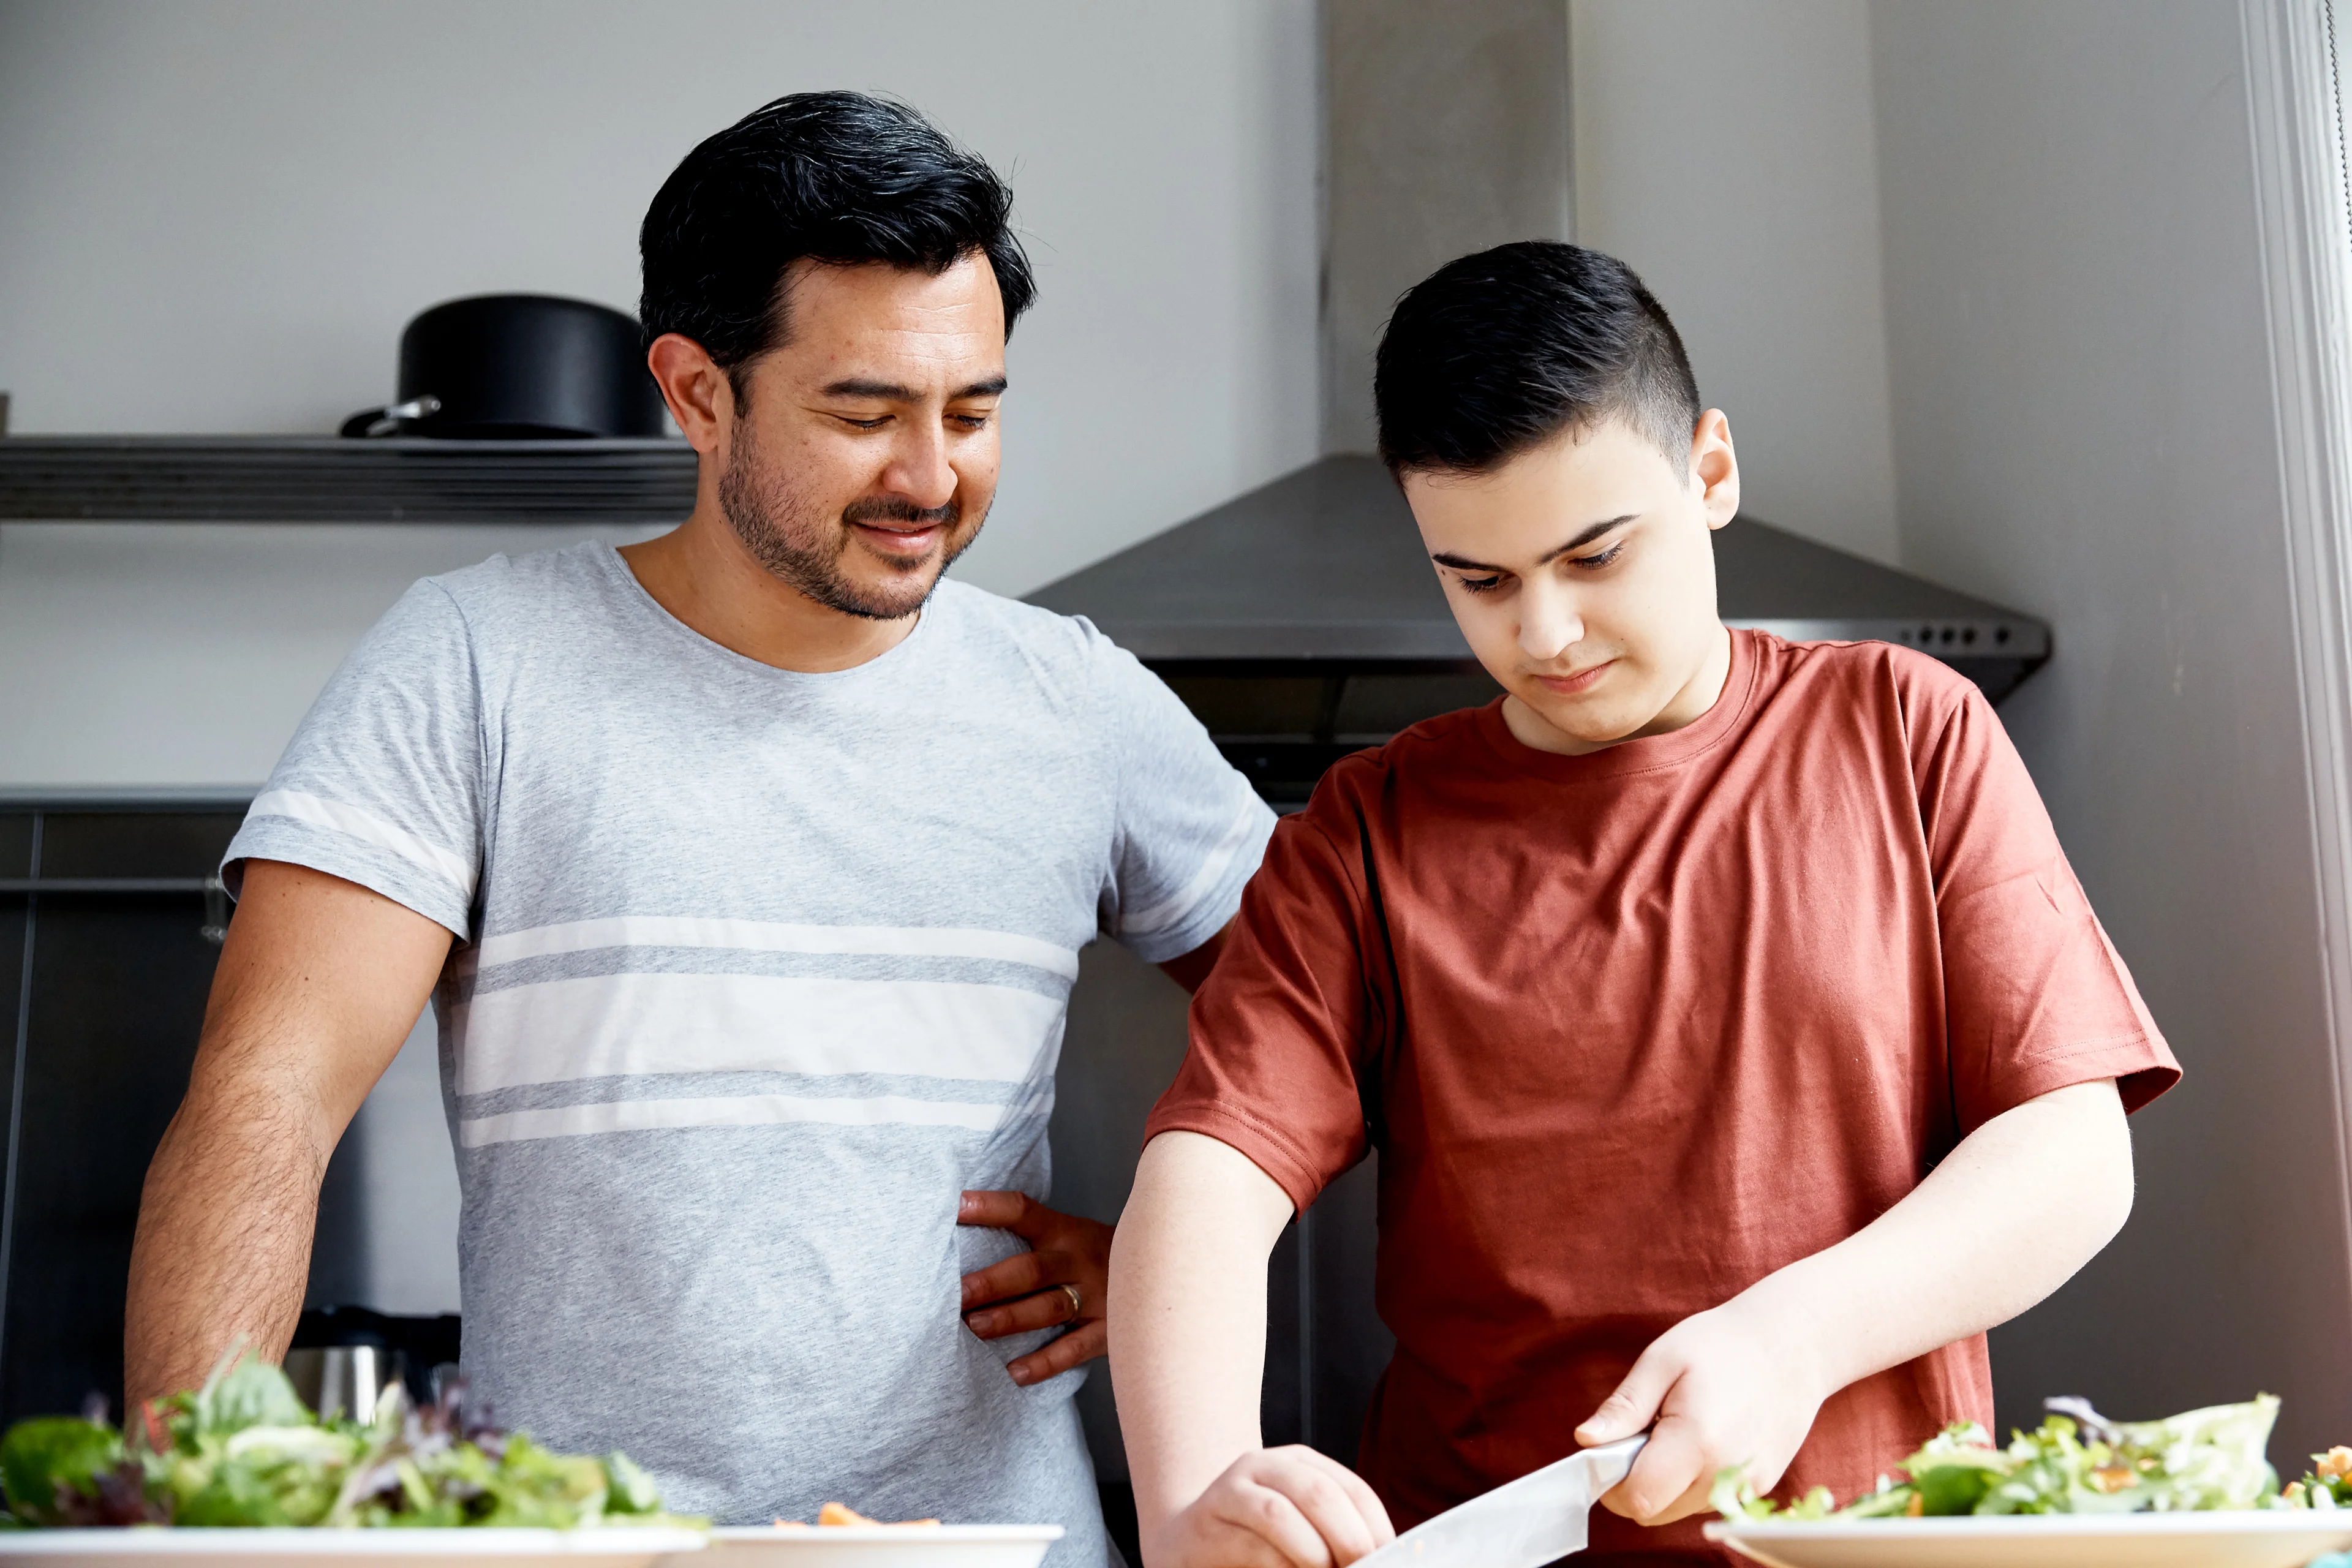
<point>1078,1303</point>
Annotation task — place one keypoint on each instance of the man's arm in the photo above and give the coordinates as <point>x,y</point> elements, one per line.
<point>1188,1354</point>
<point>319,981</point>
<point>1190,969</point>
<point>2023,1203</point>
<point>1023,1293</point>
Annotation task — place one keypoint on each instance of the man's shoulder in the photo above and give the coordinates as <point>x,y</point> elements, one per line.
<point>977,613</point>
<point>1061,658</point>
<point>506,581</point>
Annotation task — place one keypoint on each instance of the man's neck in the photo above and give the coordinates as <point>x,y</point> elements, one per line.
<point>701,572</point>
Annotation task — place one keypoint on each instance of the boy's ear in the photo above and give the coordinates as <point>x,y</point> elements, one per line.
<point>1715,467</point>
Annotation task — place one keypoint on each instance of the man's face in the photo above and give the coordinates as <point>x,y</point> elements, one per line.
<point>1583,575</point>
<point>866,458</point>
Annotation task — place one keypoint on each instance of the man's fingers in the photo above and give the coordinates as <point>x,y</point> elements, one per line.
<point>1082,1343</point>
<point>1046,1310</point>
<point>996,1210</point>
<point>1670,1465</point>
<point>1635,1403</point>
<point>1018,1275</point>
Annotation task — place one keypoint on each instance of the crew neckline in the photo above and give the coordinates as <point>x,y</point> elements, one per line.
<point>618,568</point>
<point>1650,753</point>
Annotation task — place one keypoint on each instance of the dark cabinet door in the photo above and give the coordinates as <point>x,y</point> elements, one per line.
<point>107,966</point>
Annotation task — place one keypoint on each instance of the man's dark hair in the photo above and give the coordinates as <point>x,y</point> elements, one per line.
<point>838,177</point>
<point>1502,350</point>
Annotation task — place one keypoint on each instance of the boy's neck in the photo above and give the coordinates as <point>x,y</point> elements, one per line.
<point>1689,704</point>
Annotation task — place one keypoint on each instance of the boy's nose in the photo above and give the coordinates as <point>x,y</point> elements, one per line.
<point>1548,629</point>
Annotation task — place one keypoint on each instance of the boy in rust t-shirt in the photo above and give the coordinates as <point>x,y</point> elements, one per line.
<point>1723,1008</point>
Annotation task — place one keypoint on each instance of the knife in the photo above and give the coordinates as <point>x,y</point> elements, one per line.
<point>1524,1523</point>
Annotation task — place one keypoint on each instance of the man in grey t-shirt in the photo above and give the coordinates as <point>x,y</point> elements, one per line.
<point>747,869</point>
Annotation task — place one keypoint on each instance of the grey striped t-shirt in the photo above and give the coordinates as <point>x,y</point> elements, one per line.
<point>756,971</point>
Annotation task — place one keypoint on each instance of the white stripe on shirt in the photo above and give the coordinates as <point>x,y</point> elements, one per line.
<point>1175,910</point>
<point>743,1111</point>
<point>369,828</point>
<point>609,1025</point>
<point>774,936</point>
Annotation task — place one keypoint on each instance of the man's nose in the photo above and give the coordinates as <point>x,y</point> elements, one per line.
<point>919,469</point>
<point>1548,625</point>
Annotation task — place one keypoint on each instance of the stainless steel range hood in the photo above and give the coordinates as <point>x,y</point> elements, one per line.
<point>1323,567</point>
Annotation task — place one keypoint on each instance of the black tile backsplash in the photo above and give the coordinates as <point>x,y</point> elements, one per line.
<point>16,844</point>
<point>135,843</point>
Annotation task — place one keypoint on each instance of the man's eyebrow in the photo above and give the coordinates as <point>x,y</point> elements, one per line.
<point>891,392</point>
<point>1464,563</point>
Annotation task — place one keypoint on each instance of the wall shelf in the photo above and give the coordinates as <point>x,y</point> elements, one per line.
<point>228,479</point>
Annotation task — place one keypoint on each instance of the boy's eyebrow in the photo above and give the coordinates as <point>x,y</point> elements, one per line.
<point>1464,563</point>
<point>891,392</point>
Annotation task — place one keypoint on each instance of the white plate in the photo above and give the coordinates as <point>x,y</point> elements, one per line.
<point>882,1546</point>
<point>333,1547</point>
<point>2250,1539</point>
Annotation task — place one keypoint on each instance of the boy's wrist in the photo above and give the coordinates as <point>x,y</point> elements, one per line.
<point>1806,1337</point>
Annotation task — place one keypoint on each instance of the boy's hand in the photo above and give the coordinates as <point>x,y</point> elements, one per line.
<point>1276,1508</point>
<point>1719,1388</point>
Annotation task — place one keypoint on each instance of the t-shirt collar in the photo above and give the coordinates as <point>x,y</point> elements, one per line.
<point>1646,754</point>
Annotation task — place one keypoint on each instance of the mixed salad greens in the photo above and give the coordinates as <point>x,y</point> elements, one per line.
<point>2078,1461</point>
<point>244,1450</point>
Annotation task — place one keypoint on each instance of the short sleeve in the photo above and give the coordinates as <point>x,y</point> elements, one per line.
<point>381,785</point>
<point>1282,1026</point>
<point>1189,828</point>
<point>2036,997</point>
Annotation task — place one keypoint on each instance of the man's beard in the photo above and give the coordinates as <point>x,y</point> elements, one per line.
<point>790,537</point>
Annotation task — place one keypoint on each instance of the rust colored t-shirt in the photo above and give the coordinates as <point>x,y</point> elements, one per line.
<point>1633,1029</point>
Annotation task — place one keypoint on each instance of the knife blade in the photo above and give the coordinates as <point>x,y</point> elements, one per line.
<point>1523,1523</point>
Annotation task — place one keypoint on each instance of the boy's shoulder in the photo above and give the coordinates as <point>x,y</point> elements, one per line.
<point>1861,680</point>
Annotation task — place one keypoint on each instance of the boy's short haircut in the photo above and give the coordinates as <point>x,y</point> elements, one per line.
<point>1500,352</point>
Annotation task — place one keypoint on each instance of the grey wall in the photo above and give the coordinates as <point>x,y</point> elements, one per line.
<point>2084,427</point>
<point>1447,132</point>
<point>1725,149</point>
<point>218,214</point>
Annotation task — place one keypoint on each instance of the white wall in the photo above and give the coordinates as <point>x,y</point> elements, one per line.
<point>2084,428</point>
<point>218,214</point>
<point>1724,149</point>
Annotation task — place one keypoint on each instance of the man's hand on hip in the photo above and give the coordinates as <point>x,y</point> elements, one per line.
<point>1276,1508</point>
<point>1063,1280</point>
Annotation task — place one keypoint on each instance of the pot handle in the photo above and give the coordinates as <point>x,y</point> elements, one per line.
<point>387,421</point>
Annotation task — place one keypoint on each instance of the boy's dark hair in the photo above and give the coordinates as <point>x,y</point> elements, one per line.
<point>839,177</point>
<point>1502,350</point>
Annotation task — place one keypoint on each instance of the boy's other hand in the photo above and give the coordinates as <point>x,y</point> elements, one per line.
<point>1062,1281</point>
<point>1719,1388</point>
<point>1276,1508</point>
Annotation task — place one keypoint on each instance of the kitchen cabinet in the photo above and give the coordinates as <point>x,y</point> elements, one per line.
<point>105,965</point>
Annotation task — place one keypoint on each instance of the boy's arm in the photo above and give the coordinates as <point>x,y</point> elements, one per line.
<point>1188,1354</point>
<point>2023,1202</point>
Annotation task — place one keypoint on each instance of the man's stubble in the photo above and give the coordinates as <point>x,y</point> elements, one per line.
<point>791,537</point>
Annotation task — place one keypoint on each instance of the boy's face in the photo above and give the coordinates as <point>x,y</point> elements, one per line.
<point>1582,575</point>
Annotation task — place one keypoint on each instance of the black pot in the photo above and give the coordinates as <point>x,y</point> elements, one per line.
<point>519,366</point>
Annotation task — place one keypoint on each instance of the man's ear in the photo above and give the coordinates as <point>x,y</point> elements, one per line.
<point>1715,467</point>
<point>701,397</point>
